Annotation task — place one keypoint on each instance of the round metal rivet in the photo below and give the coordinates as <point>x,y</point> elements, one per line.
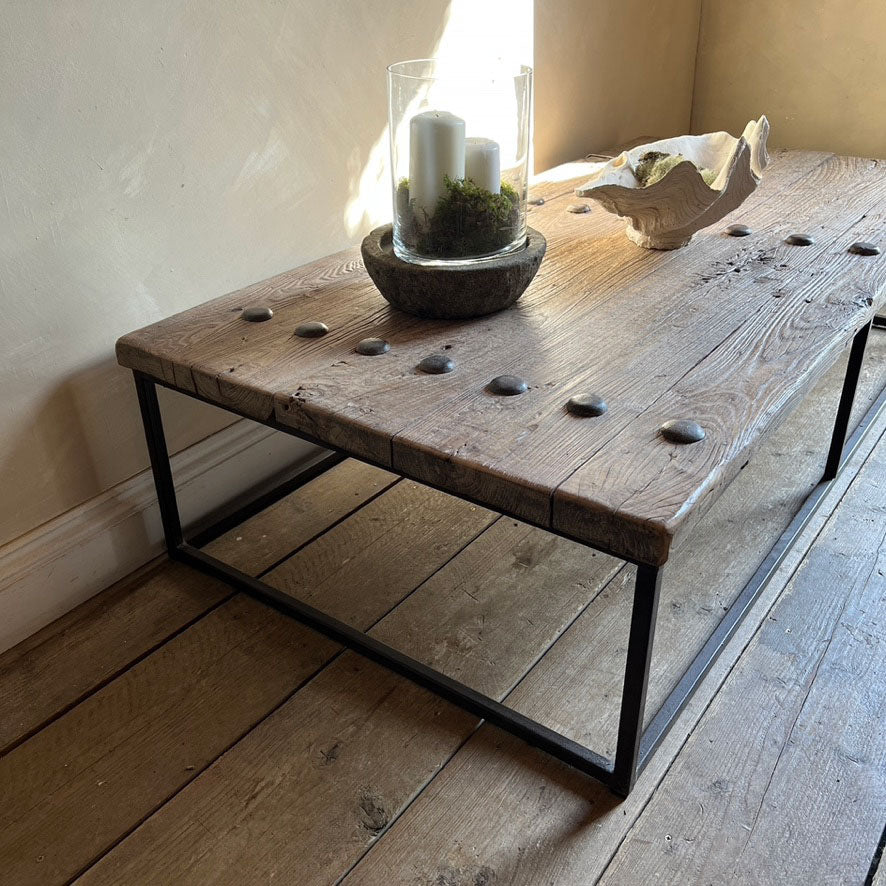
<point>311,329</point>
<point>508,385</point>
<point>257,315</point>
<point>436,364</point>
<point>800,239</point>
<point>738,230</point>
<point>372,347</point>
<point>862,247</point>
<point>682,431</point>
<point>586,405</point>
<point>578,208</point>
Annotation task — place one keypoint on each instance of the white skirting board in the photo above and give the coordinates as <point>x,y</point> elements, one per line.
<point>51,569</point>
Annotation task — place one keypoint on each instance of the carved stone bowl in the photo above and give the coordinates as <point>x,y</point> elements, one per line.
<point>456,291</point>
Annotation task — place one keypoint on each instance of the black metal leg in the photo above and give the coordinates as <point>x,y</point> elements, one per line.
<point>633,700</point>
<point>844,410</point>
<point>159,454</point>
<point>879,322</point>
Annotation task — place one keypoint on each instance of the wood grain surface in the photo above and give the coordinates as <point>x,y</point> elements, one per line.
<point>729,330</point>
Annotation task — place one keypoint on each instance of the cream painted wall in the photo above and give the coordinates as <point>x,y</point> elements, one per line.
<point>154,154</point>
<point>817,69</point>
<point>609,72</point>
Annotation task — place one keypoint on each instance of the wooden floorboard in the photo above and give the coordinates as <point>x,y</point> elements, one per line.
<point>784,780</point>
<point>219,768</point>
<point>357,743</point>
<point>154,728</point>
<point>60,665</point>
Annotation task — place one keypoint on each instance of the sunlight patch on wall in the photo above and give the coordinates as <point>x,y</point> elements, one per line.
<point>494,31</point>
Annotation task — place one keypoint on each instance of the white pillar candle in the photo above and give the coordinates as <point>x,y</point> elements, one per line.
<point>436,150</point>
<point>483,164</point>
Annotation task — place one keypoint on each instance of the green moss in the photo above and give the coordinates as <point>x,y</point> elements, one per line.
<point>468,220</point>
<point>653,166</point>
<point>646,164</point>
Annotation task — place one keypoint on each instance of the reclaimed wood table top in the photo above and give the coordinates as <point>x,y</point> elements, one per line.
<point>729,332</point>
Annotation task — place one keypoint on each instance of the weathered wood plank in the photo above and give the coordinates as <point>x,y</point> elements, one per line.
<point>590,288</point>
<point>796,790</point>
<point>74,655</point>
<point>631,348</point>
<point>155,350</point>
<point>106,634</point>
<point>348,573</point>
<point>506,812</point>
<point>296,799</point>
<point>639,491</point>
<point>76,786</point>
<point>296,519</point>
<point>349,751</point>
<point>498,605</point>
<point>106,764</point>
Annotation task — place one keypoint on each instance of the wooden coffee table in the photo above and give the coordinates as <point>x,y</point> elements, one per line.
<point>728,332</point>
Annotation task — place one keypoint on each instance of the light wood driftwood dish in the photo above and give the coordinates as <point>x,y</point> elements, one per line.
<point>728,333</point>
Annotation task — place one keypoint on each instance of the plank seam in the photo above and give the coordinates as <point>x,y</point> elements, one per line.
<point>789,731</point>
<point>101,684</point>
<point>422,788</point>
<point>198,772</point>
<point>281,560</point>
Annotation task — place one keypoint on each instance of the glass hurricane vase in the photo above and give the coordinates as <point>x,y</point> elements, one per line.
<point>459,160</point>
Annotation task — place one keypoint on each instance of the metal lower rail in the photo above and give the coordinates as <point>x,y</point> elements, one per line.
<point>635,745</point>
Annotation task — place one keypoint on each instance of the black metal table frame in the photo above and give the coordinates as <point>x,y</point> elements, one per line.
<point>635,745</point>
